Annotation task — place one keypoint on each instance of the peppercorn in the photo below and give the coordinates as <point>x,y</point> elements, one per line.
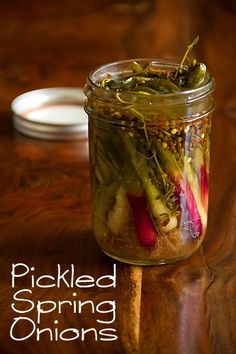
<point>179,145</point>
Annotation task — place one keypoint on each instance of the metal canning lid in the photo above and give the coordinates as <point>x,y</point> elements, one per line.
<point>51,114</point>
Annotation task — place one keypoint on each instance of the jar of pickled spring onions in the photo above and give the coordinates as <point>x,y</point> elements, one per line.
<point>149,143</point>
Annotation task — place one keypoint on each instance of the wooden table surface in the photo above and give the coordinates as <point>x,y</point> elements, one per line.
<point>185,308</point>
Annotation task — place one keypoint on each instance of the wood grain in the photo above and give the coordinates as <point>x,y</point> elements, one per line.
<point>188,307</point>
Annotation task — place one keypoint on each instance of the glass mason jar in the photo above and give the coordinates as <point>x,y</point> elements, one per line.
<point>149,166</point>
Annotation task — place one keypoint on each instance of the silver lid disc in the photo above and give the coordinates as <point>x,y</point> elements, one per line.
<point>51,114</point>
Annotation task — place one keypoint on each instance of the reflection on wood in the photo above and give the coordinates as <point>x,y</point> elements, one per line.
<point>129,316</point>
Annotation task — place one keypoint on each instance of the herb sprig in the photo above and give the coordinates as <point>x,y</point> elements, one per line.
<point>147,79</point>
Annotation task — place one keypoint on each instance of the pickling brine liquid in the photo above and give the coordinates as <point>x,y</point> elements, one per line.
<point>150,206</point>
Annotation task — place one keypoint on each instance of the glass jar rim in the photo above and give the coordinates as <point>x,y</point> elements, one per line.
<point>186,96</point>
